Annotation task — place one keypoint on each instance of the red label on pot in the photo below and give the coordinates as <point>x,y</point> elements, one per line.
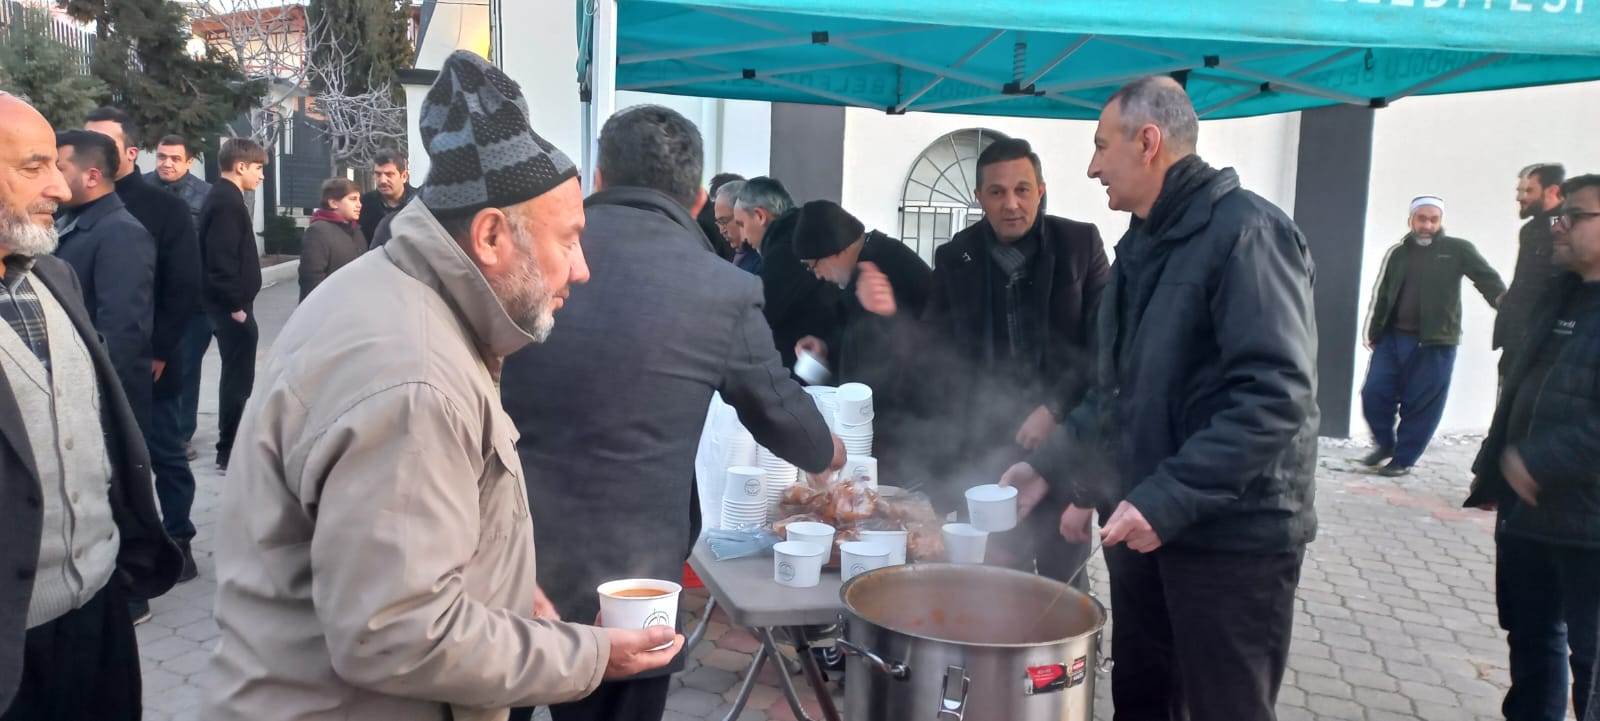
<point>1046,679</point>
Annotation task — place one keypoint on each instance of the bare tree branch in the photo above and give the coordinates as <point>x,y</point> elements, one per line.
<point>358,125</point>
<point>269,41</point>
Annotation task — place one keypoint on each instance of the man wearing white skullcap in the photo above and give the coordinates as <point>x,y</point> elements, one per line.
<point>1413,329</point>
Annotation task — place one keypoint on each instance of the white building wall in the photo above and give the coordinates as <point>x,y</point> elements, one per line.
<point>1468,149</point>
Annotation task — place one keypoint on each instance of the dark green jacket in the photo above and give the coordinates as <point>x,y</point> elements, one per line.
<point>1448,260</point>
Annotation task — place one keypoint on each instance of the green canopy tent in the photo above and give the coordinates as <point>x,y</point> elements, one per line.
<point>1063,58</point>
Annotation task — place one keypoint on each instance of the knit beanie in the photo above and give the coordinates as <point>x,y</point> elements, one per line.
<point>482,152</point>
<point>824,230</point>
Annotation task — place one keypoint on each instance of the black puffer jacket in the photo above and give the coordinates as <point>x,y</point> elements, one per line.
<point>797,303</point>
<point>1203,415</point>
<point>1562,449</point>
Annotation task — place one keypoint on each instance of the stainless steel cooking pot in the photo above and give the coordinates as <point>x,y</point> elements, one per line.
<point>939,642</point>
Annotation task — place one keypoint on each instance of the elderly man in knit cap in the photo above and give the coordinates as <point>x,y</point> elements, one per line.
<point>878,274</point>
<point>1413,331</point>
<point>375,546</point>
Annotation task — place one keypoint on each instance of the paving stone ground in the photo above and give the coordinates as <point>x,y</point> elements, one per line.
<point>1395,616</point>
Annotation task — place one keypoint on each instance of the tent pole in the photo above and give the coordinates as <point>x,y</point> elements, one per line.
<point>1041,72</point>
<point>963,61</point>
<point>603,90</point>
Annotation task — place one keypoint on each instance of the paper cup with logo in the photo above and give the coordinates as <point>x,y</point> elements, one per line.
<point>861,469</point>
<point>797,564</point>
<point>855,404</point>
<point>820,534</point>
<point>746,484</point>
<point>963,543</point>
<point>858,557</point>
<point>992,507</point>
<point>620,608</point>
<point>895,541</point>
<point>811,369</point>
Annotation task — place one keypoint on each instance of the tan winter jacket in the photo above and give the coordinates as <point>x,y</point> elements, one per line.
<point>374,551</point>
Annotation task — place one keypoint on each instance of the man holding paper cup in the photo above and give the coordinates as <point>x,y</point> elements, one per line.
<point>375,543</point>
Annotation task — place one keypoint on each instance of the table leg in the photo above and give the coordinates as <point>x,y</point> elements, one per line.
<point>770,645</point>
<point>699,632</point>
<point>746,686</point>
<point>808,663</point>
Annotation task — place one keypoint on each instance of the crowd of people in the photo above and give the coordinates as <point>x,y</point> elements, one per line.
<point>375,548</point>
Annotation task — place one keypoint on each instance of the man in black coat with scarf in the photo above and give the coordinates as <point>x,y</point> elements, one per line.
<point>662,325</point>
<point>1540,464</point>
<point>1198,440</point>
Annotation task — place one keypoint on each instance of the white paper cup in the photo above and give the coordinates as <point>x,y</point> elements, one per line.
<point>745,484</point>
<point>895,541</point>
<point>855,404</point>
<point>858,557</point>
<point>820,534</point>
<point>811,370</point>
<point>798,564</point>
<point>618,611</point>
<point>992,507</point>
<point>861,469</point>
<point>963,543</point>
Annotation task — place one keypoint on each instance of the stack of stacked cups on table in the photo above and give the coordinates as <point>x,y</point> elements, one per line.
<point>781,475</point>
<point>826,398</point>
<point>853,418</point>
<point>744,498</point>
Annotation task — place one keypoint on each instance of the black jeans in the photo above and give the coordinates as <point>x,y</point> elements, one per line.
<point>196,340</point>
<point>169,461</point>
<point>633,700</point>
<point>236,343</point>
<point>84,665</point>
<point>1549,603</point>
<point>1200,635</point>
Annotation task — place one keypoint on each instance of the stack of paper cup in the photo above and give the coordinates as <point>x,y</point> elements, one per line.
<point>780,474</point>
<point>854,416</point>
<point>826,398</point>
<point>744,498</point>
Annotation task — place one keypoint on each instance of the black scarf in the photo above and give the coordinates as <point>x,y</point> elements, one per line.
<point>1015,263</point>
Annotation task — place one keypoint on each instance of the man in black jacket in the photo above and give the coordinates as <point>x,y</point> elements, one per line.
<point>394,190</point>
<point>1540,465</point>
<point>797,303</point>
<point>114,257</point>
<point>175,157</point>
<point>1198,441</point>
<point>232,280</point>
<point>177,301</point>
<point>1539,201</point>
<point>662,325</point>
<point>67,646</point>
<point>869,347</point>
<point>707,217</point>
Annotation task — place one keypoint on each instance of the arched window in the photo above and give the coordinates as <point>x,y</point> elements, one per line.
<point>938,201</point>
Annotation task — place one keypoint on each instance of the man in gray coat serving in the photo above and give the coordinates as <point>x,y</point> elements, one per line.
<point>663,323</point>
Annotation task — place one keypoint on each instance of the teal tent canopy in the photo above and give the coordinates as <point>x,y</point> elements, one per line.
<point>1063,58</point>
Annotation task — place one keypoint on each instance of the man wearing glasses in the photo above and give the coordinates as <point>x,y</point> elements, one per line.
<point>1538,201</point>
<point>1540,465</point>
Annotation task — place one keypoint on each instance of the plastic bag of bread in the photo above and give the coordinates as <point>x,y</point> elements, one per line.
<point>802,499</point>
<point>781,528</point>
<point>925,542</point>
<point>853,502</point>
<point>908,508</point>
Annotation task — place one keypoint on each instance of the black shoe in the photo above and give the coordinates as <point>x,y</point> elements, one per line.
<point>190,571</point>
<point>1395,470</point>
<point>139,610</point>
<point>222,461</point>
<point>1377,457</point>
<point>190,453</point>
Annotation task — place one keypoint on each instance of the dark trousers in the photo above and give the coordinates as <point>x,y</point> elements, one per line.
<point>84,665</point>
<point>236,344</point>
<point>196,339</point>
<point>169,461</point>
<point>1549,603</point>
<point>634,700</point>
<point>1200,635</point>
<point>1414,380</point>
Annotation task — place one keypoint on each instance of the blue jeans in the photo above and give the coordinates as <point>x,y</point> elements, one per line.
<point>196,340</point>
<point>1410,378</point>
<point>1549,602</point>
<point>170,463</point>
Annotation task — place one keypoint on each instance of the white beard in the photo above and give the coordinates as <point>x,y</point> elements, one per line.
<point>1423,241</point>
<point>19,236</point>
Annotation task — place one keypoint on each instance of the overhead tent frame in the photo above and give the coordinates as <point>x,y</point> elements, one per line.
<point>1059,59</point>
